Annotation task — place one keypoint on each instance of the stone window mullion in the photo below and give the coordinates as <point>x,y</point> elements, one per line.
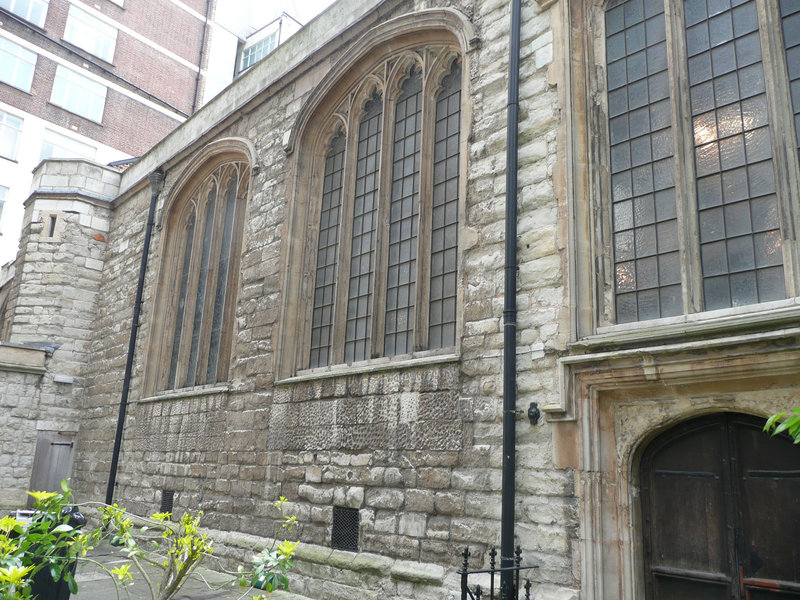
<point>382,226</point>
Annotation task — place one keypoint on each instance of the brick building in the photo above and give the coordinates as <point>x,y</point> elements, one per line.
<point>321,312</point>
<point>102,81</point>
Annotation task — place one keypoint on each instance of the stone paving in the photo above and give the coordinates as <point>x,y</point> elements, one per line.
<point>205,584</point>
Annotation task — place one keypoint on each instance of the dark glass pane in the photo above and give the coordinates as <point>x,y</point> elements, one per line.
<point>740,254</point>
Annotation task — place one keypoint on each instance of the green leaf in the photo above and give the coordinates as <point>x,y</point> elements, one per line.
<point>73,585</point>
<point>63,528</point>
<point>772,420</point>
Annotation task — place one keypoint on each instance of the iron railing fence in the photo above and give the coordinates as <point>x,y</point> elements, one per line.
<point>494,591</point>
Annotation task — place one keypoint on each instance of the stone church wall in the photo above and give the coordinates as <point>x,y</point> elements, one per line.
<point>416,449</point>
<point>49,317</point>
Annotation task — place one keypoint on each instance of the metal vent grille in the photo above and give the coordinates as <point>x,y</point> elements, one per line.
<point>167,500</point>
<point>344,535</point>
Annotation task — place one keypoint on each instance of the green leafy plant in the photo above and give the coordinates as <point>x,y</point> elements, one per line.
<point>163,552</point>
<point>784,421</point>
<point>47,543</point>
<point>270,566</point>
<point>176,549</point>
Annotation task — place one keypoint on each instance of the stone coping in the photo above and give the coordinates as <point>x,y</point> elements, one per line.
<point>364,562</point>
<point>385,363</point>
<point>22,359</point>
<point>705,323</point>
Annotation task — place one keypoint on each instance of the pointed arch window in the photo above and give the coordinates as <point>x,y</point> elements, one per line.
<point>386,226</point>
<point>199,279</point>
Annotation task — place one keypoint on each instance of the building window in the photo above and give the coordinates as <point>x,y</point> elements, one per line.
<point>90,33</point>
<point>385,274</point>
<point>200,274</point>
<point>55,145</point>
<point>78,94</point>
<point>252,54</point>
<point>10,131</point>
<point>16,65</point>
<point>33,11</point>
<point>3,196</point>
<point>697,198</point>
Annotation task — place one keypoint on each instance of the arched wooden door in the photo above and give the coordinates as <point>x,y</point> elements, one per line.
<point>721,512</point>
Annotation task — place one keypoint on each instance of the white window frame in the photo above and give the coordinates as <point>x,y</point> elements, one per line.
<point>3,196</point>
<point>78,94</point>
<point>63,146</point>
<point>252,54</point>
<point>21,65</point>
<point>86,31</point>
<point>10,125</point>
<point>33,11</point>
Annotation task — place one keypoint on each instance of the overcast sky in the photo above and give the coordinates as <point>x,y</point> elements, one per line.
<point>302,10</point>
<point>245,16</point>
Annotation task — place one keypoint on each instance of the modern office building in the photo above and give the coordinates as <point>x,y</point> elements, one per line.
<point>106,80</point>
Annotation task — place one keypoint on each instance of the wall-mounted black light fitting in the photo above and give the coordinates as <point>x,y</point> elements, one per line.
<point>534,413</point>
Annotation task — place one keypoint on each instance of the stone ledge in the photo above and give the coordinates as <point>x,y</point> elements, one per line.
<point>418,572</point>
<point>359,562</point>
<point>22,359</point>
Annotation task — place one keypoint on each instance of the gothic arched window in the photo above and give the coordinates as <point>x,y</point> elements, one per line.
<point>199,278</point>
<point>385,269</point>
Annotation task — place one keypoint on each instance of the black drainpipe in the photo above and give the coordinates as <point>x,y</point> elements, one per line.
<point>156,185</point>
<point>200,58</point>
<point>510,315</point>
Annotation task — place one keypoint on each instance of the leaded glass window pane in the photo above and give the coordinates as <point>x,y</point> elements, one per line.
<point>202,283</point>
<point>645,243</point>
<point>184,286</point>
<point>358,329</point>
<point>790,20</point>
<point>740,241</point>
<point>444,226</point>
<point>404,219</point>
<point>231,187</point>
<point>327,247</point>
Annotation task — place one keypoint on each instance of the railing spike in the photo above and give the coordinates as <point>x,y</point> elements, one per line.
<point>527,589</point>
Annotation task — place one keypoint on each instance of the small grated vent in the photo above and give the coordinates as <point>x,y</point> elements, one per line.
<point>167,500</point>
<point>344,535</point>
